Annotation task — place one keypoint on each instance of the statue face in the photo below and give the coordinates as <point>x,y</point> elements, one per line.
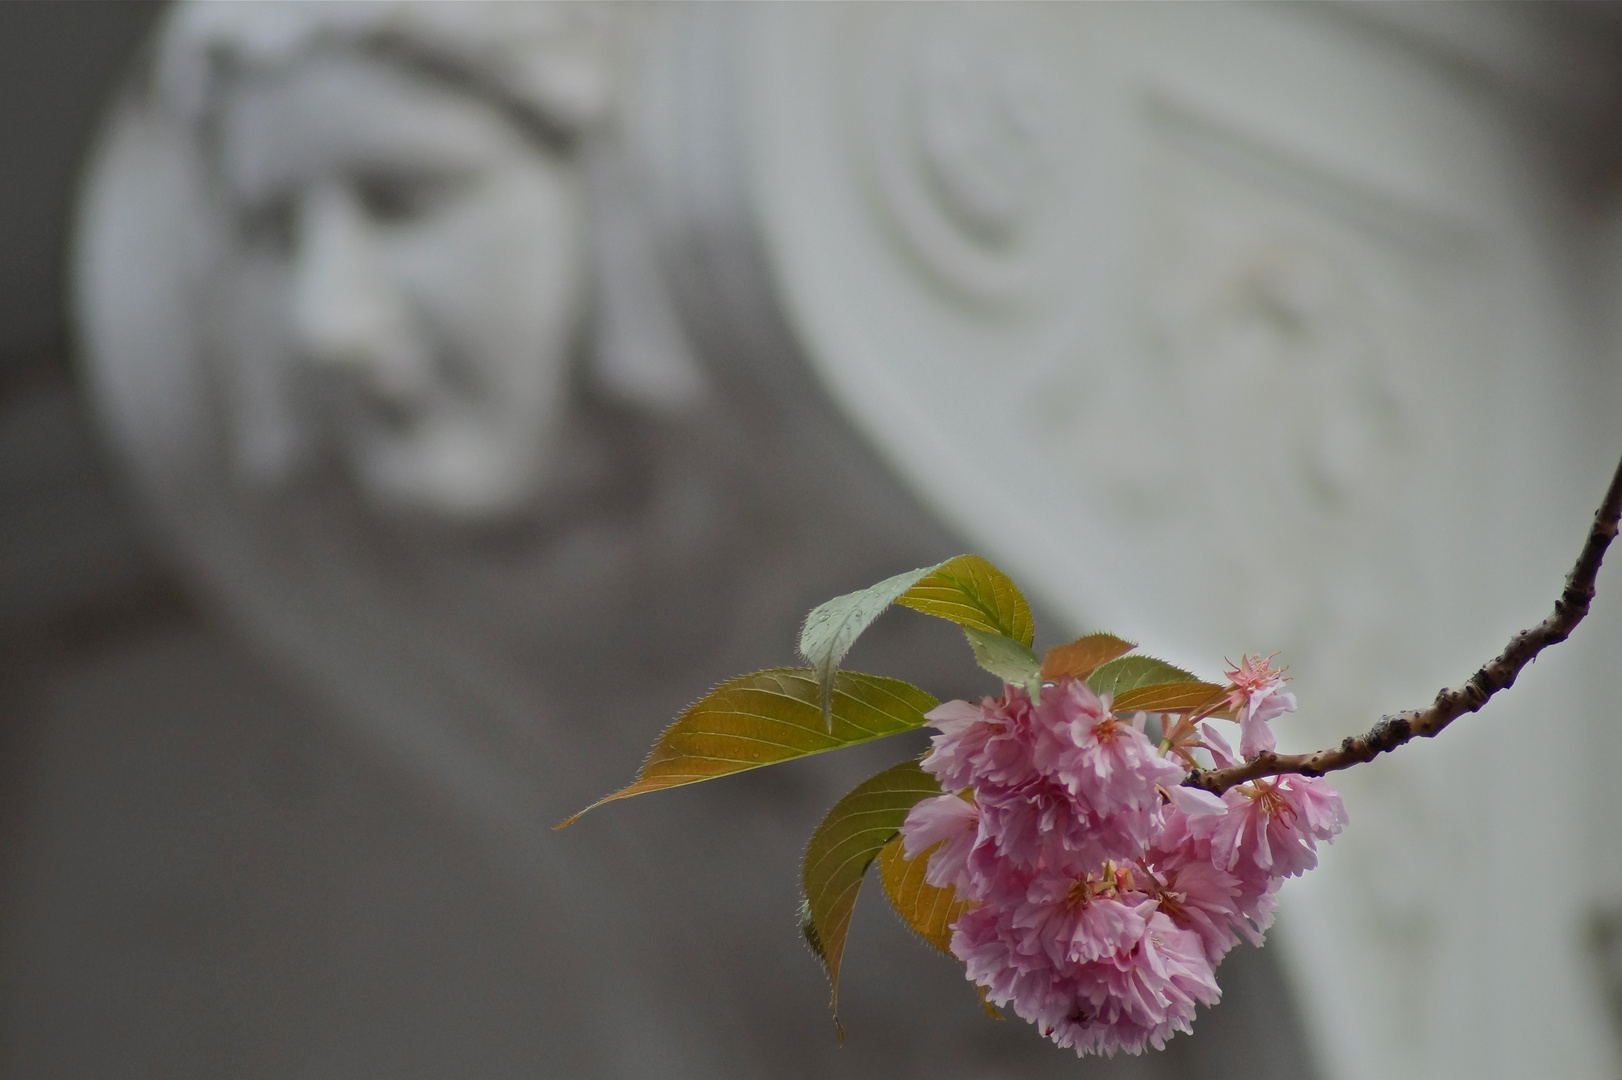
<point>417,266</point>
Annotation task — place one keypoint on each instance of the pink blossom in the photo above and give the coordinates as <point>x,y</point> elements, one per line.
<point>1104,893</point>
<point>1044,823</point>
<point>1257,691</point>
<point>1196,802</point>
<point>951,822</point>
<point>1181,738</point>
<point>1065,784</point>
<point>1108,764</point>
<point>1274,825</point>
<point>975,739</point>
<point>1255,737</point>
<point>1124,1001</point>
<point>990,961</point>
<point>1318,804</point>
<point>993,878</point>
<point>1221,752</point>
<point>1158,984</point>
<point>1071,920</point>
<point>1197,896</point>
<point>1258,903</point>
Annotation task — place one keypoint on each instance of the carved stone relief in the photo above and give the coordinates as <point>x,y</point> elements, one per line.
<point>1273,390</point>
<point>960,114</point>
<point>1299,346</point>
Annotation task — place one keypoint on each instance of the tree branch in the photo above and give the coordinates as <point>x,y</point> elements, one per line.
<point>1497,674</point>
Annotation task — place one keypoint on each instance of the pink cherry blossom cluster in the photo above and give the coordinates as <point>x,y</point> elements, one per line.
<point>1104,893</point>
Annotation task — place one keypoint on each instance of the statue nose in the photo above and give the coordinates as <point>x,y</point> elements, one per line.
<point>348,314</point>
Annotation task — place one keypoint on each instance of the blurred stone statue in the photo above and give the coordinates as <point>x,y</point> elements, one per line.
<point>511,373</point>
<point>418,244</point>
<point>377,312</point>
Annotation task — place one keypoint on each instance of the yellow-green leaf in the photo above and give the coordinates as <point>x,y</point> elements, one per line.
<point>1079,658</point>
<point>772,716</point>
<point>929,911</point>
<point>1131,672</point>
<point>1169,697</point>
<point>971,592</point>
<point>844,846</point>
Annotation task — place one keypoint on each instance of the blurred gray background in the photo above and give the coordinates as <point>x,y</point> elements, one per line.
<point>115,691</point>
<point>191,855</point>
<point>70,545</point>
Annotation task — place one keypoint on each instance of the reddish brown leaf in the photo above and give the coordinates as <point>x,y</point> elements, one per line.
<point>1079,658</point>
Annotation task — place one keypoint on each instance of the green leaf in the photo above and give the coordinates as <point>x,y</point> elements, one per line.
<point>971,592</point>
<point>1169,697</point>
<point>967,590</point>
<point>1131,672</point>
<point>772,716</point>
<point>842,849</point>
<point>1079,658</point>
<point>1007,659</point>
<point>833,627</point>
<point>929,911</point>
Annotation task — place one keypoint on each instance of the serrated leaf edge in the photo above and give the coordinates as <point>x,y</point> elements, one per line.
<point>833,947</point>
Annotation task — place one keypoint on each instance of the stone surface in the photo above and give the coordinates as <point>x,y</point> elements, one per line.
<point>1237,330</point>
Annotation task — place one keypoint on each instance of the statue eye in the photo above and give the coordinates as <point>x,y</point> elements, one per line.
<point>402,196</point>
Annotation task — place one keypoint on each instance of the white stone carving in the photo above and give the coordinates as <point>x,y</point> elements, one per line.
<point>959,113</point>
<point>1282,383</point>
<point>412,269</point>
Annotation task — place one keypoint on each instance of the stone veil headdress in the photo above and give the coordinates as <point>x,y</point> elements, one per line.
<point>558,70</point>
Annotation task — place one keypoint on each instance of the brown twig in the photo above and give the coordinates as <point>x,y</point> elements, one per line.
<point>1498,674</point>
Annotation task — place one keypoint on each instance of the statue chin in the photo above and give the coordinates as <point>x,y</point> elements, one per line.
<point>459,475</point>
